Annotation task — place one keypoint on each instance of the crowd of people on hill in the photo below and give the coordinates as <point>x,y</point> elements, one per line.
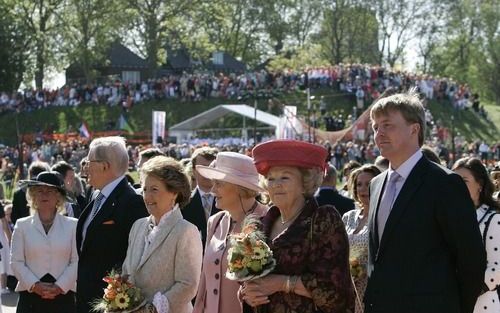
<point>364,82</point>
<point>396,232</point>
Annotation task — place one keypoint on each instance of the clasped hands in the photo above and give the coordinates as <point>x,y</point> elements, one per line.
<point>47,291</point>
<point>257,292</point>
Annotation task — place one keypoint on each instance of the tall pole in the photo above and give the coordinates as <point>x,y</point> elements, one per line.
<point>309,113</point>
<point>255,119</point>
<point>453,152</point>
<point>20,148</point>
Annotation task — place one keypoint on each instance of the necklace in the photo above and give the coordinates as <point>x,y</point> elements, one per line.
<point>283,222</point>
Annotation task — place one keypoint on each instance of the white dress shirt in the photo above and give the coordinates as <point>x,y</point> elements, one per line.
<point>404,170</point>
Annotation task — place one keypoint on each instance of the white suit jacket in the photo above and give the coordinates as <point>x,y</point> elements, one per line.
<point>34,253</point>
<point>171,263</point>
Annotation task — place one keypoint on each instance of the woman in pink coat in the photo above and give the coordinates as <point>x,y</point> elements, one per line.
<point>236,184</point>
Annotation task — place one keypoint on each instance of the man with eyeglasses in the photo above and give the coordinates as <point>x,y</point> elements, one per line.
<point>104,225</point>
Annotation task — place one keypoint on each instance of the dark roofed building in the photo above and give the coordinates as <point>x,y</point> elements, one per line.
<point>120,62</point>
<point>224,62</point>
<point>178,61</point>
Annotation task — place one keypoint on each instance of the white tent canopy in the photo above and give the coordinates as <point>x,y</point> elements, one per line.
<point>184,130</point>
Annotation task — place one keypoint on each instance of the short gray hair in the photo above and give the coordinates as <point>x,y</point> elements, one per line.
<point>112,149</point>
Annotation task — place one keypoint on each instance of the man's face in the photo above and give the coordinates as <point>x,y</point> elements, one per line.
<point>204,183</point>
<point>96,171</point>
<point>394,136</point>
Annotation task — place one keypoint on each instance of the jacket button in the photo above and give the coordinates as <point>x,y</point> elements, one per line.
<point>216,261</point>
<point>216,275</point>
<point>216,291</point>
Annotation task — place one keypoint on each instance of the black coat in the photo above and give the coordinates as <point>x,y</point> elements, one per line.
<point>332,197</point>
<point>431,258</point>
<point>106,242</point>
<point>20,207</point>
<point>194,213</point>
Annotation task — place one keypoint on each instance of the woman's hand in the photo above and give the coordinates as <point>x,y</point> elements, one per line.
<point>256,292</point>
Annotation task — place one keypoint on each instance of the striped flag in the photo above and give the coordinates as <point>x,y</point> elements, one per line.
<point>84,130</point>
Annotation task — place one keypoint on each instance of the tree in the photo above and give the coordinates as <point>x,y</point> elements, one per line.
<point>90,27</point>
<point>348,33</point>
<point>42,19</point>
<point>151,21</point>
<point>397,19</point>
<point>13,52</point>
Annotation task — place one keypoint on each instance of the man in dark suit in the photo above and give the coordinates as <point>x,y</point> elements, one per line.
<point>328,194</point>
<point>202,203</point>
<point>73,208</point>
<point>104,225</point>
<point>19,203</point>
<point>425,249</point>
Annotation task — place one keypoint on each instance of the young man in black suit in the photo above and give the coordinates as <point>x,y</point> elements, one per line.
<point>328,194</point>
<point>425,248</point>
<point>104,225</point>
<point>202,204</point>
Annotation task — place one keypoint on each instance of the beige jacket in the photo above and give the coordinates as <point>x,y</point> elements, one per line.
<point>171,264</point>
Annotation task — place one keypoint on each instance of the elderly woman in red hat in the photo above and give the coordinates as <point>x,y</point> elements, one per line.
<point>43,253</point>
<point>309,242</point>
<point>235,187</point>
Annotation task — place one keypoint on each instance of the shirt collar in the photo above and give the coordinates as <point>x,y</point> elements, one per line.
<point>108,189</point>
<point>202,193</point>
<point>164,217</point>
<point>404,169</point>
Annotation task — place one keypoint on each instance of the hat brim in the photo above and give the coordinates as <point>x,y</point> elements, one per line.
<point>219,174</point>
<point>35,183</point>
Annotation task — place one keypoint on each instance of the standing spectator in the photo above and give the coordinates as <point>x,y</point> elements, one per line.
<point>442,268</point>
<point>43,254</point>
<point>202,203</point>
<point>77,203</point>
<point>309,242</point>
<point>236,185</point>
<point>356,223</point>
<point>110,215</point>
<point>481,190</point>
<point>328,195</point>
<point>164,255</point>
<point>19,203</point>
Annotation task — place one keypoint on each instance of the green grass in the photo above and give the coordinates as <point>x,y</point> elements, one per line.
<point>468,123</point>
<point>60,118</point>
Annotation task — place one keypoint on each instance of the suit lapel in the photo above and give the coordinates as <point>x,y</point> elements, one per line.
<point>375,195</point>
<point>401,204</point>
<point>38,224</point>
<point>164,231</point>
<point>105,211</point>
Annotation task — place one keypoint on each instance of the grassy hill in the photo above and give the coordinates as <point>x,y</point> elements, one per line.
<point>59,119</point>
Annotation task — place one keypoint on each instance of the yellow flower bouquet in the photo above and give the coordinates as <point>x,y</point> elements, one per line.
<point>355,256</point>
<point>119,296</point>
<point>249,257</point>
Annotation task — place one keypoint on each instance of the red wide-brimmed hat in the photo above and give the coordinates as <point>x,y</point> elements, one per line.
<point>288,153</point>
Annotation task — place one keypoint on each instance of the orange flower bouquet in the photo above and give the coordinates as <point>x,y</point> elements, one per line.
<point>249,257</point>
<point>119,296</point>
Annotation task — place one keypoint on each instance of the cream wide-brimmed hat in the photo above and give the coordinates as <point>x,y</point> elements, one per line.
<point>234,168</point>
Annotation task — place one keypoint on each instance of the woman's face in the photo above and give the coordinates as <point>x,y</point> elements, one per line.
<point>472,185</point>
<point>45,197</point>
<point>284,184</point>
<point>363,188</point>
<point>157,198</point>
<point>226,195</point>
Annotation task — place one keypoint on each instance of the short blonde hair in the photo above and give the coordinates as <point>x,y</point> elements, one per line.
<point>247,193</point>
<point>410,107</point>
<point>311,180</point>
<point>31,198</point>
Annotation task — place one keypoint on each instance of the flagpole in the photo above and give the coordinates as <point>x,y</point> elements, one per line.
<point>19,147</point>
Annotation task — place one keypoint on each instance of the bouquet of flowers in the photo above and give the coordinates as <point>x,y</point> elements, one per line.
<point>119,296</point>
<point>355,256</point>
<point>249,257</point>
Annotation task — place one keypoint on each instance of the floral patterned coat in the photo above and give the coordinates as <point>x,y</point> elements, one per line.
<point>320,258</point>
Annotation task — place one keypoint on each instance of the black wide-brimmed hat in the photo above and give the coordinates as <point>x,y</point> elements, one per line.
<point>49,179</point>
